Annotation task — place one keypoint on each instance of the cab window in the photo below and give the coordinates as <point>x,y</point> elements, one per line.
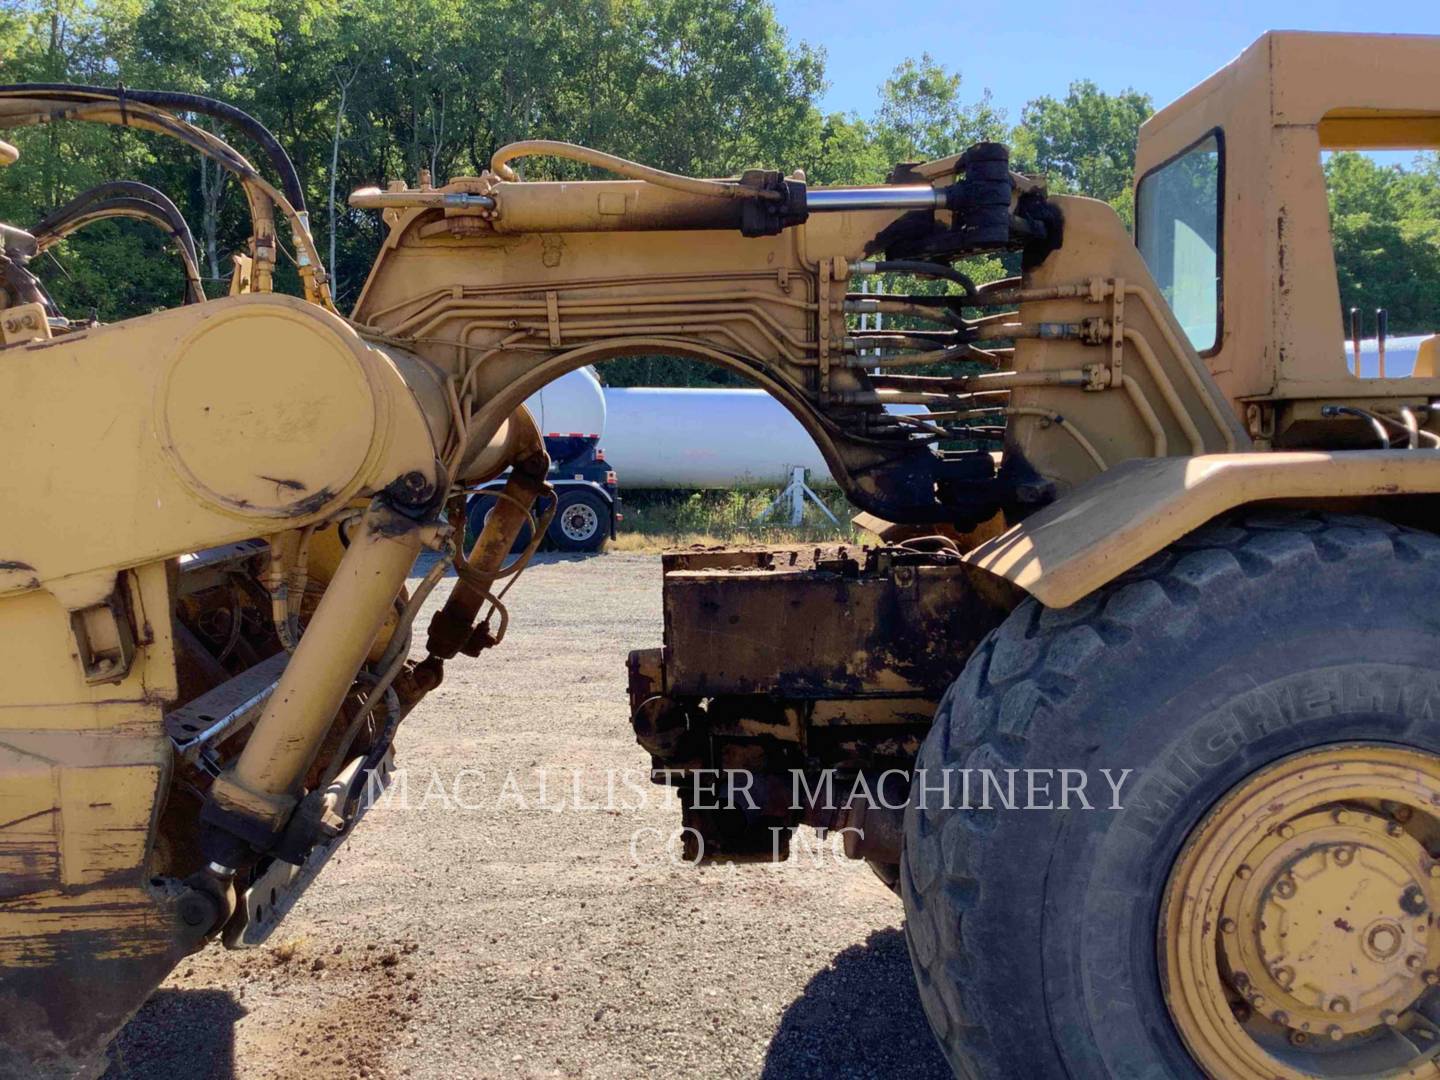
<point>1177,228</point>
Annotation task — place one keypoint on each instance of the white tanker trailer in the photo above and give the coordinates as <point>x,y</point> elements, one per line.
<point>683,438</point>
<point>693,439</point>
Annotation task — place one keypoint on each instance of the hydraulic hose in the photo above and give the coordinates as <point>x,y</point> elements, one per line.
<point>633,170</point>
<point>24,106</point>
<point>126,198</point>
<point>125,188</point>
<point>921,268</point>
<point>169,99</point>
<point>1370,418</point>
<point>138,209</point>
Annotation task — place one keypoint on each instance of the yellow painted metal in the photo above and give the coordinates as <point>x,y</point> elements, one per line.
<point>1092,536</point>
<point>323,415</point>
<point>1427,359</point>
<point>1298,923</point>
<point>1183,411</point>
<point>1283,101</point>
<point>258,415</point>
<point>264,781</point>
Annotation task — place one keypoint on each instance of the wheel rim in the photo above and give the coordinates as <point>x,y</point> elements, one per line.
<point>1297,935</point>
<point>579,522</point>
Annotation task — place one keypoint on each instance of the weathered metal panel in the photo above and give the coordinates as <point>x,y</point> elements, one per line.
<point>821,633</point>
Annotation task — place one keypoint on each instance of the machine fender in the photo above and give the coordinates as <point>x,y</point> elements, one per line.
<point>1108,525</point>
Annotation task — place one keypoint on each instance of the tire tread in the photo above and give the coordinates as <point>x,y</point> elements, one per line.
<point>1025,669</point>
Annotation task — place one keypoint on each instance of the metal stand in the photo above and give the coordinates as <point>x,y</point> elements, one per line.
<point>795,493</point>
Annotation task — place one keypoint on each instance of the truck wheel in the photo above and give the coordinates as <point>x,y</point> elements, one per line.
<point>475,517</point>
<point>581,523</point>
<point>1261,904</point>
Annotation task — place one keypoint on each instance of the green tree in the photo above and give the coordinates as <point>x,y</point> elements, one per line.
<point>1385,224</point>
<point>1085,142</point>
<point>921,115</point>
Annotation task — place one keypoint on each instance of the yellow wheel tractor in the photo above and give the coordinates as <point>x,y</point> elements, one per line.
<point>1141,520</point>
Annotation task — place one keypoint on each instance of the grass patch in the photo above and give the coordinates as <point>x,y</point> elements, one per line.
<point>655,520</point>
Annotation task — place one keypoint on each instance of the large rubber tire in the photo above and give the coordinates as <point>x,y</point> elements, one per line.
<point>1033,934</point>
<point>581,522</point>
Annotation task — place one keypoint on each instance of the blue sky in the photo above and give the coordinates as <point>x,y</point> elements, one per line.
<point>1023,51</point>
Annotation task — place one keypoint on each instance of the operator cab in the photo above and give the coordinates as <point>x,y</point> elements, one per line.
<point>1233,220</point>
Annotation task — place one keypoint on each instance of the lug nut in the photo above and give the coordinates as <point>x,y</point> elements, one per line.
<point>1335,1032</point>
<point>1244,872</point>
<point>1228,926</point>
<point>1414,963</point>
<point>1389,1017</point>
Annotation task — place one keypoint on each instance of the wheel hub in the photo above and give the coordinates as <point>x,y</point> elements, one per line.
<point>1327,932</point>
<point>579,522</point>
<point>1298,935</point>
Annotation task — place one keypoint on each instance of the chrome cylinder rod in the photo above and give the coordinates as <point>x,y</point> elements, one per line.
<point>897,197</point>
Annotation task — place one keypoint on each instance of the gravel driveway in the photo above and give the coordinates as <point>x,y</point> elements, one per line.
<point>505,915</point>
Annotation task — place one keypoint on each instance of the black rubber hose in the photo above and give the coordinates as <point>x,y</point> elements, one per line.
<point>134,189</point>
<point>1329,411</point>
<point>88,212</point>
<point>929,269</point>
<point>181,102</point>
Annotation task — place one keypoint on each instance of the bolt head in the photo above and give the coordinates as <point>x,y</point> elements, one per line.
<point>1390,1017</point>
<point>196,910</point>
<point>1335,1032</point>
<point>1228,926</point>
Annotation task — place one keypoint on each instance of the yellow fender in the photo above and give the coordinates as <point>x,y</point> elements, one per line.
<point>1091,536</point>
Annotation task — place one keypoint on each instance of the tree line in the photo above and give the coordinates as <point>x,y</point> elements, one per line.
<point>363,91</point>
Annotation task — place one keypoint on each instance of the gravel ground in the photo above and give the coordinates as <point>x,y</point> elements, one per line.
<point>478,925</point>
